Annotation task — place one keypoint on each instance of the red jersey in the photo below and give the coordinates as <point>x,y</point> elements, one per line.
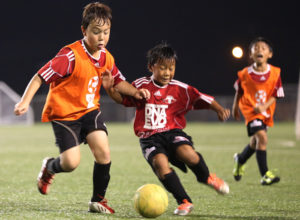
<point>167,106</point>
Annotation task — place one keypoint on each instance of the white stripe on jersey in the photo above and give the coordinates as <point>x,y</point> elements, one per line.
<point>206,98</point>
<point>121,75</point>
<point>71,56</point>
<point>139,83</point>
<point>178,83</point>
<point>280,92</point>
<point>47,74</point>
<point>138,80</point>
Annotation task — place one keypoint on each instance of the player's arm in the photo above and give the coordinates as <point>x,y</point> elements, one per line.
<point>238,94</point>
<point>223,113</point>
<point>32,87</point>
<point>108,85</point>
<point>235,106</point>
<point>263,107</point>
<point>126,88</point>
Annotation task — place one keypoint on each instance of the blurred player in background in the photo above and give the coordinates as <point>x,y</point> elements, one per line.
<point>159,123</point>
<point>72,105</point>
<point>257,88</point>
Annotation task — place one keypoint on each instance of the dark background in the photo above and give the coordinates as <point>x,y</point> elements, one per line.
<point>202,32</point>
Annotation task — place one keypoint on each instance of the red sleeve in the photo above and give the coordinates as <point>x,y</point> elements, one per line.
<point>199,100</point>
<point>60,66</point>
<point>278,90</point>
<point>237,86</point>
<point>118,76</point>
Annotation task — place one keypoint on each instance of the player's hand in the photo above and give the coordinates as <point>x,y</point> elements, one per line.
<point>21,108</point>
<point>224,114</point>
<point>259,109</point>
<point>142,94</point>
<point>107,80</point>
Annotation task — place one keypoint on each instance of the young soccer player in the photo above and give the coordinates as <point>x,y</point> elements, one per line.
<point>72,105</point>
<point>257,88</point>
<point>159,123</point>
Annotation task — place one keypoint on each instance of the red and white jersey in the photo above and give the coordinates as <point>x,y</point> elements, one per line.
<point>167,106</point>
<point>63,65</point>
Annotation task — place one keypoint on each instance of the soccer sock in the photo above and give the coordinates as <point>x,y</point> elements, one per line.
<point>261,157</point>
<point>54,166</point>
<point>246,154</point>
<point>200,170</point>
<point>101,179</point>
<point>174,186</point>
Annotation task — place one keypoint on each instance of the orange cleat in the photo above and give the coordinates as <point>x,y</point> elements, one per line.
<point>184,208</point>
<point>218,184</point>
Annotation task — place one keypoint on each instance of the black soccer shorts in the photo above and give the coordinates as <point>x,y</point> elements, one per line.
<point>166,143</point>
<point>69,134</point>
<point>255,126</point>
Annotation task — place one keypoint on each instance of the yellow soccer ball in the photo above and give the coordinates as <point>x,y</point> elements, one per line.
<point>150,200</point>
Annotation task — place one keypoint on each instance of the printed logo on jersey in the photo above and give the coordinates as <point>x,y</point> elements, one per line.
<point>260,96</point>
<point>170,99</point>
<point>92,88</point>
<point>157,93</point>
<point>155,116</point>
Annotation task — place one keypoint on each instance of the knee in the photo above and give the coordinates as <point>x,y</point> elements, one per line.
<point>102,156</point>
<point>160,169</point>
<point>262,140</point>
<point>70,164</point>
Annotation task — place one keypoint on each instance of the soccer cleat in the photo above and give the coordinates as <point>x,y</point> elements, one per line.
<point>239,169</point>
<point>218,184</point>
<point>269,178</point>
<point>45,177</point>
<point>184,208</point>
<point>100,207</point>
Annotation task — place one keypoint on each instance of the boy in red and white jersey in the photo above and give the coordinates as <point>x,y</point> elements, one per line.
<point>159,123</point>
<point>257,88</point>
<point>72,105</point>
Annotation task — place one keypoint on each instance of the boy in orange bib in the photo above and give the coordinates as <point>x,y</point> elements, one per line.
<point>75,76</point>
<point>257,88</point>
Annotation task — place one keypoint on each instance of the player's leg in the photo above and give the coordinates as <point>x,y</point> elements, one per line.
<point>196,163</point>
<point>97,139</point>
<point>240,159</point>
<point>170,180</point>
<point>268,177</point>
<point>67,139</point>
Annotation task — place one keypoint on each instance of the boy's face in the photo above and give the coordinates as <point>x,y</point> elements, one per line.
<point>163,71</point>
<point>97,35</point>
<point>260,52</point>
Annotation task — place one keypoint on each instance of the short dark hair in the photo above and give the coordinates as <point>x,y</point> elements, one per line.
<point>261,39</point>
<point>93,11</point>
<point>160,52</point>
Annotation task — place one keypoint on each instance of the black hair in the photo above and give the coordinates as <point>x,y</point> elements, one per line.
<point>160,52</point>
<point>261,39</point>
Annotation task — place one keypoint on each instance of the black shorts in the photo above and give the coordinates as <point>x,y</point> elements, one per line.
<point>69,134</point>
<point>165,143</point>
<point>255,126</point>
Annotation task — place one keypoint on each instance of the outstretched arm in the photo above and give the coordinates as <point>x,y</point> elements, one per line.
<point>235,106</point>
<point>33,86</point>
<point>126,88</point>
<point>223,113</point>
